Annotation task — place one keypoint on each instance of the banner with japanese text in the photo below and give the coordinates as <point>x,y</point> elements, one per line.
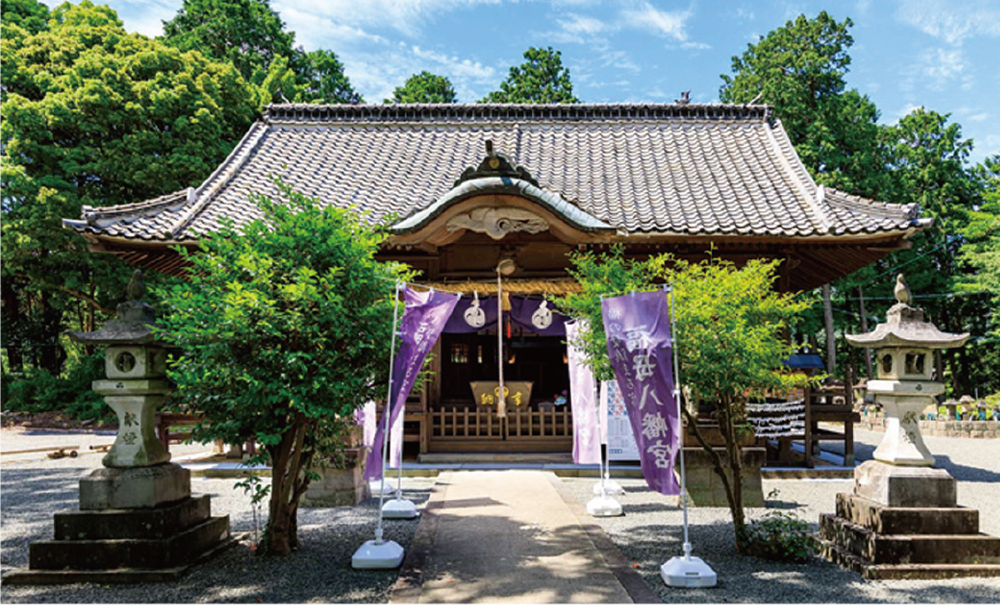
<point>424,317</point>
<point>582,397</point>
<point>638,331</point>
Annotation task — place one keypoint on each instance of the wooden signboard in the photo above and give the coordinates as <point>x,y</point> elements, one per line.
<point>518,393</point>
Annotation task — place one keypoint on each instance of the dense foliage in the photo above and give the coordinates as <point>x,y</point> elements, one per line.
<point>424,87</point>
<point>540,79</point>
<point>250,35</point>
<point>285,329</point>
<point>800,69</point>
<point>730,324</point>
<point>93,115</point>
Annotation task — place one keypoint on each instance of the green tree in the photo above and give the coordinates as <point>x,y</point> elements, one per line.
<point>928,159</point>
<point>30,15</point>
<point>247,33</point>
<point>250,35</point>
<point>95,116</point>
<point>320,78</point>
<point>285,329</point>
<point>540,79</point>
<point>424,87</point>
<point>730,340</point>
<point>800,69</point>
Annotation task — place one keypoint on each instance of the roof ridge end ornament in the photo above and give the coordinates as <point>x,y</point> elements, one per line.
<point>495,164</point>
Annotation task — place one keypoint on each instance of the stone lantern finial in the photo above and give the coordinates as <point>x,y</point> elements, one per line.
<point>902,291</point>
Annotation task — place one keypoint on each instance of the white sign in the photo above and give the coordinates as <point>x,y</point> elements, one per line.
<point>621,441</point>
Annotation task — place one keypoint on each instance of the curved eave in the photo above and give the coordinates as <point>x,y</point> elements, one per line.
<point>882,339</point>
<point>552,202</point>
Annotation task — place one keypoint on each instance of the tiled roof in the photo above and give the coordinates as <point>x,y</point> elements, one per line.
<point>677,169</point>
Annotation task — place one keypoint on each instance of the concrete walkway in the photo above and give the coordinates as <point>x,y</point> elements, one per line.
<point>512,537</point>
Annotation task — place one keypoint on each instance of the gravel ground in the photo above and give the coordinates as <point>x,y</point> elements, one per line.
<point>650,533</point>
<point>34,489</point>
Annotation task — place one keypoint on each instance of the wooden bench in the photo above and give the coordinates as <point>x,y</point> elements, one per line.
<point>166,420</point>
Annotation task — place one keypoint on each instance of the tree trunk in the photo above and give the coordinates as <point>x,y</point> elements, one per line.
<point>287,480</point>
<point>831,342</point>
<point>12,318</point>
<point>717,465</point>
<point>869,366</point>
<point>52,354</point>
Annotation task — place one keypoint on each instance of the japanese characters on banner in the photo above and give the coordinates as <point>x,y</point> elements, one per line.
<point>638,331</point>
<point>424,317</point>
<point>582,396</point>
<point>618,431</point>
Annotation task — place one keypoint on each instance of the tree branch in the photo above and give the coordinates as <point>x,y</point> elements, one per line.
<point>72,292</point>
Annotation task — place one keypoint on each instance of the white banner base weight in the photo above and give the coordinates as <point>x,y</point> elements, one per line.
<point>604,506</point>
<point>610,487</point>
<point>399,508</point>
<point>378,554</point>
<point>688,572</point>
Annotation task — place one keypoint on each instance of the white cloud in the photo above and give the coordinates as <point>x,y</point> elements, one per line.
<point>314,32</point>
<point>672,24</point>
<point>980,117</point>
<point>578,24</point>
<point>407,17</point>
<point>939,68</point>
<point>950,20</point>
<point>457,68</point>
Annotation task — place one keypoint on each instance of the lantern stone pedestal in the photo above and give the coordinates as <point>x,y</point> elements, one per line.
<point>903,520</point>
<point>137,520</point>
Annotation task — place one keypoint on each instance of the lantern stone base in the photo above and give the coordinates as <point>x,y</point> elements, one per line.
<point>909,486</point>
<point>134,525</point>
<point>126,546</point>
<point>141,487</point>
<point>882,541</point>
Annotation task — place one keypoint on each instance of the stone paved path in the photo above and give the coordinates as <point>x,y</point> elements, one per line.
<point>507,537</point>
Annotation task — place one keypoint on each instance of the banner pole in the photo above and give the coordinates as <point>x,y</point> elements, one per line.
<point>501,396</point>
<point>386,412</point>
<point>680,421</point>
<point>686,571</point>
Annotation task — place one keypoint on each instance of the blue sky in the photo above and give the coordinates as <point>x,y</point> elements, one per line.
<point>941,54</point>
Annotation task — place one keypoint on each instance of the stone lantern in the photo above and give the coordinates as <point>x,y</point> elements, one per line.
<point>903,520</point>
<point>137,520</point>
<point>906,384</point>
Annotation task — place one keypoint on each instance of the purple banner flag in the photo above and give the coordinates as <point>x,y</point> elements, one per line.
<point>638,330</point>
<point>423,319</point>
<point>472,315</point>
<point>537,315</point>
<point>582,391</point>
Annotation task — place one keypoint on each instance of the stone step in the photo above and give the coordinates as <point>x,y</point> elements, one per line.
<point>885,520</point>
<point>909,549</point>
<point>911,571</point>
<point>124,575</point>
<point>144,554</point>
<point>135,524</point>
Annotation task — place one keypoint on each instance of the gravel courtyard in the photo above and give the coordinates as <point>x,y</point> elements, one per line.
<point>34,487</point>
<point>650,533</point>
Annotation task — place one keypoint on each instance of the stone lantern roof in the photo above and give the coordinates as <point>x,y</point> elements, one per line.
<point>133,324</point>
<point>906,326</point>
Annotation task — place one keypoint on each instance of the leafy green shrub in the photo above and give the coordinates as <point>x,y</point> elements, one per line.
<point>38,391</point>
<point>780,536</point>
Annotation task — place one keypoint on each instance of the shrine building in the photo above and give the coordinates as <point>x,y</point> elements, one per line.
<point>480,186</point>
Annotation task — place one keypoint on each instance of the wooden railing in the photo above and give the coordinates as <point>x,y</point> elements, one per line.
<point>482,423</point>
